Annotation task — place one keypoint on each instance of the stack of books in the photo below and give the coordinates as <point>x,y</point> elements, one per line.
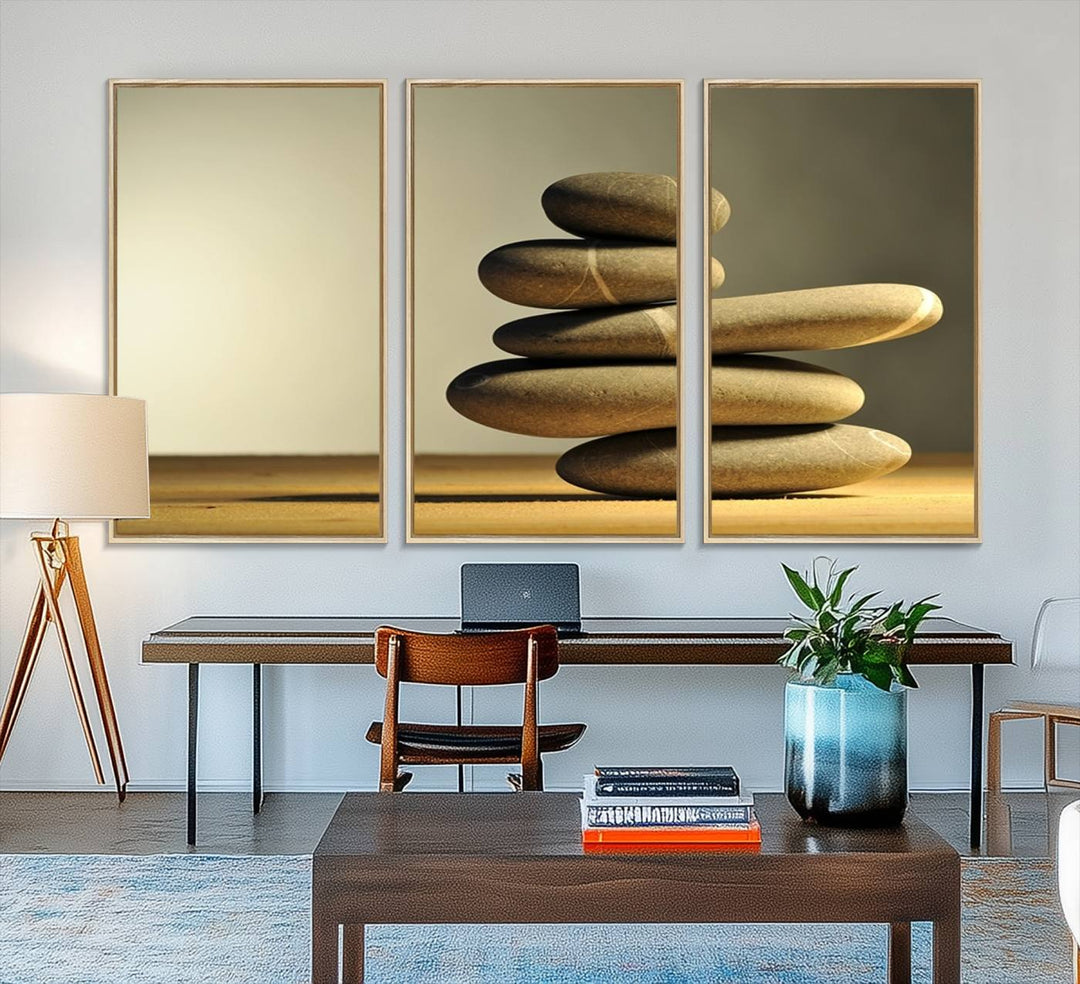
<point>678,806</point>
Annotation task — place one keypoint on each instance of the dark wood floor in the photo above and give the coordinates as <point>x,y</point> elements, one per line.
<point>1022,824</point>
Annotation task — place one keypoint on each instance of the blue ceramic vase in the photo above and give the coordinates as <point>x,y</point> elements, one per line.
<point>846,752</point>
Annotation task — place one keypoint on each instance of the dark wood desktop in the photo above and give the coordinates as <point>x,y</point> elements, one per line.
<point>518,858</point>
<point>604,641</point>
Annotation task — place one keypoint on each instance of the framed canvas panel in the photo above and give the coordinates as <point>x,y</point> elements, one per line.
<point>247,303</point>
<point>544,333</point>
<point>841,351</point>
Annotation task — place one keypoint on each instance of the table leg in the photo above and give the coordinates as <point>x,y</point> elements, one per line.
<point>976,753</point>
<point>461,766</point>
<point>256,738</point>
<point>192,748</point>
<point>324,949</point>
<point>352,954</point>
<point>900,953</point>
<point>947,950</point>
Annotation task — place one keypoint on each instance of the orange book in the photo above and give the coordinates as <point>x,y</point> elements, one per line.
<point>749,834</point>
<point>638,848</point>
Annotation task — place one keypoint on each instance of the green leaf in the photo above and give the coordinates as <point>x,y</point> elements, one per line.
<point>903,676</point>
<point>919,611</point>
<point>800,587</point>
<point>893,617</point>
<point>880,676</point>
<point>863,601</point>
<point>838,589</point>
<point>878,653</point>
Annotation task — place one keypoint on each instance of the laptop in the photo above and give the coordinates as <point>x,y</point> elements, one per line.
<point>514,596</point>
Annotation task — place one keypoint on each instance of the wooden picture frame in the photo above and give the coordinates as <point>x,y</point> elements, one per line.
<point>478,515</point>
<point>321,497</point>
<point>946,508</point>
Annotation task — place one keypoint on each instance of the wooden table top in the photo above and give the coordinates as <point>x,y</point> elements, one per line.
<point>519,858</point>
<point>614,640</point>
<point>536,825</point>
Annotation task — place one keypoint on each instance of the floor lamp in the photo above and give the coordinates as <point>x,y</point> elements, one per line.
<point>74,456</point>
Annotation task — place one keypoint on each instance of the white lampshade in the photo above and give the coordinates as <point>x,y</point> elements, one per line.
<point>73,456</point>
<point>1055,643</point>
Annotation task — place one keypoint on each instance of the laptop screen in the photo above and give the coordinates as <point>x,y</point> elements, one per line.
<point>516,595</point>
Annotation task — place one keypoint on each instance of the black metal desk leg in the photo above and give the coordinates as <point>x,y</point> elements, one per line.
<point>976,753</point>
<point>192,747</point>
<point>256,738</point>
<point>460,767</point>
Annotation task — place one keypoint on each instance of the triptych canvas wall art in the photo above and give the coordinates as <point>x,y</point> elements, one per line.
<point>247,303</point>
<point>842,346</point>
<point>543,289</point>
<point>545,315</point>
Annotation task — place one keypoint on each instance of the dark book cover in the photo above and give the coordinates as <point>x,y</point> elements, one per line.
<point>705,780</point>
<point>626,787</point>
<point>666,773</point>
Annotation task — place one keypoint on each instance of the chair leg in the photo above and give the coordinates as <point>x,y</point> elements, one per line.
<point>396,784</point>
<point>1049,753</point>
<point>1055,779</point>
<point>993,752</point>
<point>532,775</point>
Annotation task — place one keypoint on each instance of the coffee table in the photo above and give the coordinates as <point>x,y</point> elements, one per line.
<point>518,858</point>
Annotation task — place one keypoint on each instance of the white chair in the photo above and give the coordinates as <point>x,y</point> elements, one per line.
<point>1055,646</point>
<point>1069,875</point>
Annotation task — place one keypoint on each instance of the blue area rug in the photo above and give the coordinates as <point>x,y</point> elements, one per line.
<point>245,920</point>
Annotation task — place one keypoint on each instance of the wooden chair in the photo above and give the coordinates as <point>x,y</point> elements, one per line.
<point>1055,644</point>
<point>471,660</point>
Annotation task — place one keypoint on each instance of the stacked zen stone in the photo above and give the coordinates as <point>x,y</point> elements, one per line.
<point>774,420</point>
<point>608,366</point>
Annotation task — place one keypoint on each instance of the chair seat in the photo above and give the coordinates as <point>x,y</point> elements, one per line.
<point>1047,710</point>
<point>474,742</point>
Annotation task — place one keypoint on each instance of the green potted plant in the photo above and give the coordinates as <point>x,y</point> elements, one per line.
<point>845,709</point>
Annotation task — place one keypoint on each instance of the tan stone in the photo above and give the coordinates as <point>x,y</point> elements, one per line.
<point>586,400</point>
<point>527,397</point>
<point>623,205</point>
<point>746,461</point>
<point>584,273</point>
<point>821,318</point>
<point>641,464</point>
<point>599,333</point>
<point>764,389</point>
<point>774,460</point>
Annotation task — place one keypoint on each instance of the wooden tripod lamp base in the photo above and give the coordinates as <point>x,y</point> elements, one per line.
<point>59,561</point>
<point>82,456</point>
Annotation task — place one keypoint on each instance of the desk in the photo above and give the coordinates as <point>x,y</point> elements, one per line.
<point>518,858</point>
<point>605,641</point>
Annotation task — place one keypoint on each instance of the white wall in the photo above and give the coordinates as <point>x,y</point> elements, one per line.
<point>55,60</point>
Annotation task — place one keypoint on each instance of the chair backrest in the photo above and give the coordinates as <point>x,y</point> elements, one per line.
<point>1055,642</point>
<point>473,659</point>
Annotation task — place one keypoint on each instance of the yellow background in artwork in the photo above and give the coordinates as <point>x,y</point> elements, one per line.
<point>482,156</point>
<point>248,267</point>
